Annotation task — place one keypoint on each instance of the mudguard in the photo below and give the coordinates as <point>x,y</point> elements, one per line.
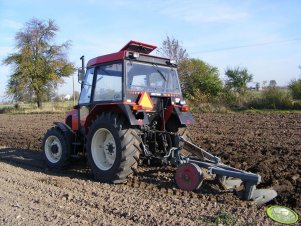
<point>124,109</point>
<point>185,118</point>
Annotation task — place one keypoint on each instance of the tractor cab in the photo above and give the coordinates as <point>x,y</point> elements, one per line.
<point>133,82</point>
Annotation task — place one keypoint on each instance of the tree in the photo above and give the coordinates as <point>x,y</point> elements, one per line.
<point>295,88</point>
<point>171,48</point>
<point>198,77</point>
<point>273,83</point>
<point>39,64</point>
<point>237,79</point>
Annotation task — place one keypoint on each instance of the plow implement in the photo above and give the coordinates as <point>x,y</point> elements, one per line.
<point>200,165</point>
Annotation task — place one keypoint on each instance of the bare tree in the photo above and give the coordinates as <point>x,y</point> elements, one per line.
<point>173,49</point>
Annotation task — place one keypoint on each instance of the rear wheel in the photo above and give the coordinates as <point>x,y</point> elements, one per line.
<point>103,149</point>
<point>112,148</point>
<point>56,149</point>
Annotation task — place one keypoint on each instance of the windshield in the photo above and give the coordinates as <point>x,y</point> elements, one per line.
<point>151,78</point>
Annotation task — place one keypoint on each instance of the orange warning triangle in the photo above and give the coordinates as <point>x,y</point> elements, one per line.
<point>145,101</point>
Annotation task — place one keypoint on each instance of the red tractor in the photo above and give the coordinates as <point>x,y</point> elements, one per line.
<point>130,109</point>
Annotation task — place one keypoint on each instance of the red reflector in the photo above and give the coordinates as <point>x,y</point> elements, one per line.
<point>185,108</point>
<point>137,107</point>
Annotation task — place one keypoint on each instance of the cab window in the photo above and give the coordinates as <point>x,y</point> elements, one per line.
<point>108,86</point>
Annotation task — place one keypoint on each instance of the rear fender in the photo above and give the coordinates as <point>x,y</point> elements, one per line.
<point>123,109</point>
<point>185,118</point>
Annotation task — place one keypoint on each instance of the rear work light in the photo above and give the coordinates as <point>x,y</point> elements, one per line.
<point>133,55</point>
<point>137,107</point>
<point>172,62</point>
<point>185,108</point>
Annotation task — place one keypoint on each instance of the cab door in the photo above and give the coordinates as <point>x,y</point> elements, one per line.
<point>85,98</point>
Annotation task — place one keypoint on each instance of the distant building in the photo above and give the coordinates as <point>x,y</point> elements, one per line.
<point>67,97</point>
<point>254,86</point>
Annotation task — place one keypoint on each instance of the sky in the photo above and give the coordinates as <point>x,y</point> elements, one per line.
<point>263,36</point>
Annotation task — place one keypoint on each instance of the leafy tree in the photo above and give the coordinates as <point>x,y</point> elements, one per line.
<point>39,64</point>
<point>237,79</point>
<point>295,88</point>
<point>273,83</point>
<point>172,48</point>
<point>199,78</point>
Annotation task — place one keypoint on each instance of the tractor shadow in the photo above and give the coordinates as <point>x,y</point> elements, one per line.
<point>160,177</point>
<point>33,161</point>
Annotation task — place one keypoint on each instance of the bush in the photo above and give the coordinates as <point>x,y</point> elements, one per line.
<point>295,88</point>
<point>297,105</point>
<point>6,109</point>
<point>272,98</point>
<point>235,100</point>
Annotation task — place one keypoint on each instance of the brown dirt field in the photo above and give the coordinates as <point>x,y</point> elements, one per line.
<point>268,144</point>
<point>30,194</point>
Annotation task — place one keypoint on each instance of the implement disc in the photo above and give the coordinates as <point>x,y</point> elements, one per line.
<point>282,214</point>
<point>189,176</point>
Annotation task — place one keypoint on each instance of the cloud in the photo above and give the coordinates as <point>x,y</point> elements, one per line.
<point>4,52</point>
<point>4,71</point>
<point>10,24</point>
<point>202,12</point>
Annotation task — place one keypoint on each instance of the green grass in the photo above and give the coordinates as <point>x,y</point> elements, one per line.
<point>268,111</point>
<point>221,218</point>
<point>31,108</point>
<point>256,93</point>
<point>65,106</point>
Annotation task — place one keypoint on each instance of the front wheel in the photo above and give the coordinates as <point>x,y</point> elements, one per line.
<point>56,149</point>
<point>112,148</point>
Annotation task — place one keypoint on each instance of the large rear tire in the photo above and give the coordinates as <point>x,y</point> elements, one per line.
<point>112,148</point>
<point>56,149</point>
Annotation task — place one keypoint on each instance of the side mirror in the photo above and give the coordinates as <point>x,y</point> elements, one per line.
<point>81,75</point>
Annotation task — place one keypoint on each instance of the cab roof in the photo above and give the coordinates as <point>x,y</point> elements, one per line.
<point>131,46</point>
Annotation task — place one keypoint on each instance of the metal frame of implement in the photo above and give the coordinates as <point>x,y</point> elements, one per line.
<point>241,182</point>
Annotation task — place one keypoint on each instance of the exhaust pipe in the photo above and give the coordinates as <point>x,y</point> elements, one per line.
<point>81,71</point>
<point>83,62</point>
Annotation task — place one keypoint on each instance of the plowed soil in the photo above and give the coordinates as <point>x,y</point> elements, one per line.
<point>268,144</point>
